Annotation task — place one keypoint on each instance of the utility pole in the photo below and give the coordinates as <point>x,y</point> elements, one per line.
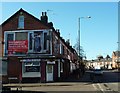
<point>79,37</point>
<point>79,33</point>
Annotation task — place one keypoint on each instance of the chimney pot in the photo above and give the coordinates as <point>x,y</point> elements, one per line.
<point>44,17</point>
<point>42,13</point>
<point>45,13</point>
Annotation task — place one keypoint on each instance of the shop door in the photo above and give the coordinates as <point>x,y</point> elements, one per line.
<point>49,72</point>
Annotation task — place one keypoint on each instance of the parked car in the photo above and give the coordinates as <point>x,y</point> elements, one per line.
<point>98,71</point>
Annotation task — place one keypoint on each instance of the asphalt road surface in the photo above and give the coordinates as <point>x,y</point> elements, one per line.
<point>107,83</point>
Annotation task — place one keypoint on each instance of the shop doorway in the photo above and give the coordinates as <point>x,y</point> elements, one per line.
<point>49,72</point>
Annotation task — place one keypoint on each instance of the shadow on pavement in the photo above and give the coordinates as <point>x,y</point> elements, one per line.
<point>107,77</point>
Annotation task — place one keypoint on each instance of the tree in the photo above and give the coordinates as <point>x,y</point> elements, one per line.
<point>82,53</point>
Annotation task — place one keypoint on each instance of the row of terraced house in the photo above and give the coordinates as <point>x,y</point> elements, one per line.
<point>107,62</point>
<point>32,49</point>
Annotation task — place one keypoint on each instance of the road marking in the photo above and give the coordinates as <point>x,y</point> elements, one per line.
<point>94,86</point>
<point>101,88</point>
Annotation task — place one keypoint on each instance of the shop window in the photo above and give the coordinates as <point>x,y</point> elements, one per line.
<point>21,22</point>
<point>32,67</point>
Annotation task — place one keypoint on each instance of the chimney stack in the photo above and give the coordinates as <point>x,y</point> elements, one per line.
<point>44,17</point>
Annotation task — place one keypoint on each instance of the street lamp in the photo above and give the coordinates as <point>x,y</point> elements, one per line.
<point>79,30</point>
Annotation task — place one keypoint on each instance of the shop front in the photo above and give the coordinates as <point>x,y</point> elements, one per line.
<point>40,68</point>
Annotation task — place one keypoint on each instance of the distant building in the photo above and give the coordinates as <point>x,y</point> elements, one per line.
<point>33,50</point>
<point>102,63</point>
<point>115,58</point>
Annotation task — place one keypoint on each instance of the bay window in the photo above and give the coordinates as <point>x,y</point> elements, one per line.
<point>29,41</point>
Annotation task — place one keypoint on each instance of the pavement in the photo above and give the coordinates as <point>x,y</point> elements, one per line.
<point>67,82</point>
<point>72,83</point>
<point>71,80</point>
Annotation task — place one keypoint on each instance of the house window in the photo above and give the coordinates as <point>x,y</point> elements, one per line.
<point>61,67</point>
<point>30,41</point>
<point>62,49</point>
<point>10,37</point>
<point>21,36</point>
<point>45,41</point>
<point>56,45</point>
<point>37,41</point>
<point>21,22</point>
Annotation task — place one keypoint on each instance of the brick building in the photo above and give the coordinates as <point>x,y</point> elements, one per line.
<point>115,59</point>
<point>33,49</point>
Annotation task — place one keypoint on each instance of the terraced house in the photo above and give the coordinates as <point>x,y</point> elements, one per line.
<point>33,49</point>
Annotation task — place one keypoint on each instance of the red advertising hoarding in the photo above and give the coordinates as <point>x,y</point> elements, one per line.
<point>17,46</point>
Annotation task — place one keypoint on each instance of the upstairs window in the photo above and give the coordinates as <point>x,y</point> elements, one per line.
<point>62,50</point>
<point>21,22</point>
<point>38,41</point>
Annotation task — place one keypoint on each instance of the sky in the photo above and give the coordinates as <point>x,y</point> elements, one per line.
<point>98,35</point>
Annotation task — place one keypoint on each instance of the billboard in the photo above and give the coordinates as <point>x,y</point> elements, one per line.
<point>17,46</point>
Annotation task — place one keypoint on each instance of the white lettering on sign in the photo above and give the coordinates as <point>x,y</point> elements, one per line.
<point>51,62</point>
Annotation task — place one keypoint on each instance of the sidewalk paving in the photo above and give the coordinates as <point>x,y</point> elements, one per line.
<point>67,82</point>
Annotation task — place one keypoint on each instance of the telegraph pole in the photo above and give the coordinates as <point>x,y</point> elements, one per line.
<point>79,37</point>
<point>79,33</point>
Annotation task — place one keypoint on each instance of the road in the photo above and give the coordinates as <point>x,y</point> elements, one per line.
<point>107,83</point>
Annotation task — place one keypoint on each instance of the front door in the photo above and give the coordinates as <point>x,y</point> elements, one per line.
<point>49,72</point>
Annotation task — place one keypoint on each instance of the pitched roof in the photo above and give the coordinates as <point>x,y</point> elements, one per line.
<point>46,24</point>
<point>116,53</point>
<point>21,10</point>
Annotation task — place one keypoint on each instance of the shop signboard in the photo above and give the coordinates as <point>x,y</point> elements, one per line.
<point>17,46</point>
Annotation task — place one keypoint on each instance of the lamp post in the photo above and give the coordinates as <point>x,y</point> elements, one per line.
<point>79,32</point>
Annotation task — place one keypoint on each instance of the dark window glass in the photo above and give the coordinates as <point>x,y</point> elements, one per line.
<point>30,41</point>
<point>37,41</point>
<point>62,49</point>
<point>32,68</point>
<point>10,37</point>
<point>45,41</point>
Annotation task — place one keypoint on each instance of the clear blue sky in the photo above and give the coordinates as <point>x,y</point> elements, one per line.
<point>99,35</point>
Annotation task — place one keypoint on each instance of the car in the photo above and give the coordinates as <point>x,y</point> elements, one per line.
<point>97,72</point>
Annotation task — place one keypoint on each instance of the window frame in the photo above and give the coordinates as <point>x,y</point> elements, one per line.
<point>5,40</point>
<point>49,42</point>
<point>21,22</point>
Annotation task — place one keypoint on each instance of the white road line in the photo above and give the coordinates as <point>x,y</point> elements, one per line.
<point>101,88</point>
<point>94,86</point>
